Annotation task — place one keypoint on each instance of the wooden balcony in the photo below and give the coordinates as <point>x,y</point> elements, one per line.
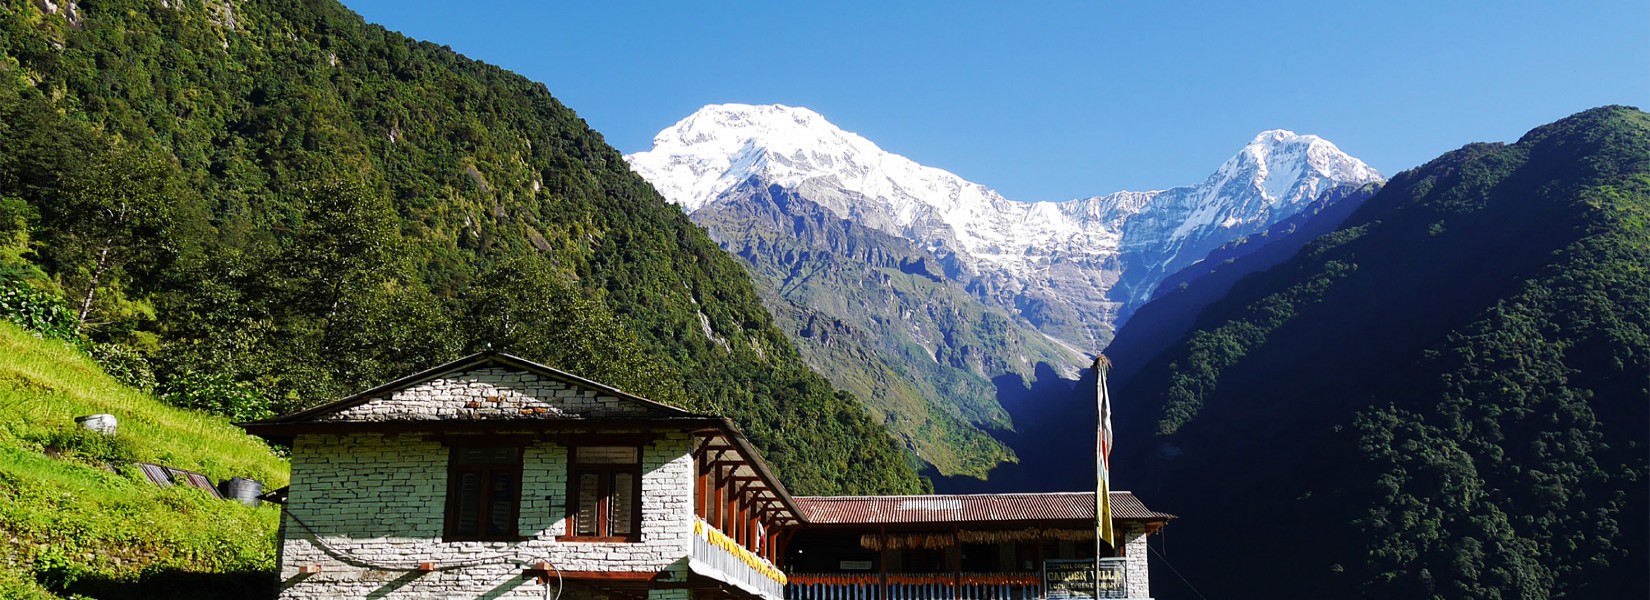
<point>715,555</point>
<point>952,586</point>
<point>915,586</point>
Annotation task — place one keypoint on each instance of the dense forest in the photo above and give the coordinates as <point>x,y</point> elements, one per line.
<point>1446,397</point>
<point>251,207</point>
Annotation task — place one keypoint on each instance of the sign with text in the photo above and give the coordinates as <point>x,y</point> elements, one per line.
<point>1075,579</point>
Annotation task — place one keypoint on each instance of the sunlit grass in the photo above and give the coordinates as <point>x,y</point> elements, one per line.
<point>82,520</point>
<point>45,384</point>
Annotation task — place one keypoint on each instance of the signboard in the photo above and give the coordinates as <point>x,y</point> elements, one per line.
<point>1068,579</point>
<point>854,565</point>
<point>1074,579</point>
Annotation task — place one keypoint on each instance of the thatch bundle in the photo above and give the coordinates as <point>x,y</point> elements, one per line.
<point>930,541</point>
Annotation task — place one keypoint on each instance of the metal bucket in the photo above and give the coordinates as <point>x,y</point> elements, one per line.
<point>104,424</point>
<point>242,490</point>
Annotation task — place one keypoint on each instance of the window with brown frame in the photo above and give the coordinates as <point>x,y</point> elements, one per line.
<point>483,493</point>
<point>605,494</point>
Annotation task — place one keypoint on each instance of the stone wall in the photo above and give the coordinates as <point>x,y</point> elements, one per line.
<point>494,394</point>
<point>377,504</point>
<point>1137,575</point>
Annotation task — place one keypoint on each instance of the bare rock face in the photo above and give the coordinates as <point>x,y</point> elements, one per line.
<point>1072,269</point>
<point>935,287</point>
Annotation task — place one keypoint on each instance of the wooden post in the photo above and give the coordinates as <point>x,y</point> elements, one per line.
<point>882,537</point>
<point>700,486</point>
<point>731,508</point>
<point>749,531</point>
<point>714,518</point>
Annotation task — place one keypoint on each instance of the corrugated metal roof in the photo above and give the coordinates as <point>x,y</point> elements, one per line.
<point>165,476</point>
<point>969,507</point>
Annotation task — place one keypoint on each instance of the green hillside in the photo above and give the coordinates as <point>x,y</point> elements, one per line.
<point>282,200</point>
<point>1445,398</point>
<point>71,525</point>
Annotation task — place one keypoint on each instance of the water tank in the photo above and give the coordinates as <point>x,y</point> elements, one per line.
<point>104,424</point>
<point>242,490</point>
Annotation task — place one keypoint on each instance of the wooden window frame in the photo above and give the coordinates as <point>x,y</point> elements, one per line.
<point>455,469</point>
<point>604,473</point>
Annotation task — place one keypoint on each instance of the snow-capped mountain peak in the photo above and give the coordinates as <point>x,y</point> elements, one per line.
<point>721,145</point>
<point>1041,249</point>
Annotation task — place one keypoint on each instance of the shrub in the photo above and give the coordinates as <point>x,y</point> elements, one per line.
<point>217,393</point>
<point>40,312</point>
<point>126,365</point>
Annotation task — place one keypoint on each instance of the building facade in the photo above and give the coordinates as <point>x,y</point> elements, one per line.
<point>496,477</point>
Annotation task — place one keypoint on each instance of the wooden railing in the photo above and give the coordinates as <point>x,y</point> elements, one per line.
<point>915,586</point>
<point>734,564</point>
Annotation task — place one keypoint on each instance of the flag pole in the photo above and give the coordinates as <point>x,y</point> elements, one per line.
<point>1103,534</point>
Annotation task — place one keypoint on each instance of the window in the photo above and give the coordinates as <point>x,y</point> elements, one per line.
<point>483,493</point>
<point>605,489</point>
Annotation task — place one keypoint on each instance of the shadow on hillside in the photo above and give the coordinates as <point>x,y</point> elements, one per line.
<point>164,584</point>
<point>1056,451</point>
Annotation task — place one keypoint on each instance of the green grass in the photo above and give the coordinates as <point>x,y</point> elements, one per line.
<point>76,519</point>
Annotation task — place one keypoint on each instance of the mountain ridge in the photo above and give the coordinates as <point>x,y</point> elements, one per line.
<point>1048,279</point>
<point>1443,389</point>
<point>1001,244</point>
<point>320,205</point>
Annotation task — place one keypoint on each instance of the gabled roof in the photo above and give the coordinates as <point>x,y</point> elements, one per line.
<point>479,360</point>
<point>334,418</point>
<point>866,510</point>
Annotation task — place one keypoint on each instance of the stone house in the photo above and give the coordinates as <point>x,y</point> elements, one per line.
<point>496,477</point>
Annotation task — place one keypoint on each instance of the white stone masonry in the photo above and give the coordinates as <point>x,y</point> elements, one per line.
<point>494,394</point>
<point>377,504</point>
<point>1136,575</point>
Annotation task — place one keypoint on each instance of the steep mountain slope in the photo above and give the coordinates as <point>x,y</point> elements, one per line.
<point>1444,398</point>
<point>78,520</point>
<point>280,193</point>
<point>1182,296</point>
<point>874,312</point>
<point>1054,262</point>
<point>946,295</point>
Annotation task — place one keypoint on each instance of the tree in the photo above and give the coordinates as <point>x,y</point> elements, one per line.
<point>112,212</point>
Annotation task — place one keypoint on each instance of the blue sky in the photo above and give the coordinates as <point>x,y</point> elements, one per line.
<point>1059,100</point>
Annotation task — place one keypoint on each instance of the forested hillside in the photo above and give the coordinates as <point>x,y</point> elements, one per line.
<point>281,203</point>
<point>1444,398</point>
<point>877,314</point>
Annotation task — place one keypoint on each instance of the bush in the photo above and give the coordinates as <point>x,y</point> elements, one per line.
<point>219,394</point>
<point>126,365</point>
<point>37,311</point>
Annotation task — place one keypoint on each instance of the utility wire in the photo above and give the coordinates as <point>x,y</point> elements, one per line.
<point>1176,572</point>
<point>475,562</point>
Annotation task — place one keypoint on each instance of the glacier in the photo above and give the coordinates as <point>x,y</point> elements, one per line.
<point>1073,269</point>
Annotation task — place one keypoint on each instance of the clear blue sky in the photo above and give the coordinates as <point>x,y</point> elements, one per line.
<point>1058,100</point>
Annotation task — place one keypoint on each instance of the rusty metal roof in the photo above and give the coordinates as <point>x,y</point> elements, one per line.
<point>165,476</point>
<point>842,510</point>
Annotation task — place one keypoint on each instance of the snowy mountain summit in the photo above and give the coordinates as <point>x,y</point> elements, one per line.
<point>1056,263</point>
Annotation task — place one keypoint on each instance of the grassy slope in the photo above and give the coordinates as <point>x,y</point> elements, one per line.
<point>68,526</point>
